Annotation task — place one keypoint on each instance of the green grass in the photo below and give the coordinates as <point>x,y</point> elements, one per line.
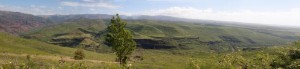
<point>14,52</point>
<point>12,44</point>
<point>14,49</point>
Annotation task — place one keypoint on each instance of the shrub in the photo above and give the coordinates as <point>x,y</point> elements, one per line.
<point>79,54</point>
<point>289,60</point>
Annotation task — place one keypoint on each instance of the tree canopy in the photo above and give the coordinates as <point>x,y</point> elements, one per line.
<point>120,39</point>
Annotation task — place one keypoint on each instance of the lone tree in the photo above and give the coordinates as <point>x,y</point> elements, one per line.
<point>120,39</point>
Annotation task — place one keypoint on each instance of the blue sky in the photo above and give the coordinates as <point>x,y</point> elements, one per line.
<point>275,12</point>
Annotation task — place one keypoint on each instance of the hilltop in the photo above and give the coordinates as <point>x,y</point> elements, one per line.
<point>16,23</point>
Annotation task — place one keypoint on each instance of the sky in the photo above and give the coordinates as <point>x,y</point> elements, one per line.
<point>268,12</point>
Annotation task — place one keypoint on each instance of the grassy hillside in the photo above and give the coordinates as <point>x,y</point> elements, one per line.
<point>18,52</point>
<point>205,32</point>
<point>14,51</point>
<point>174,34</point>
<point>16,45</point>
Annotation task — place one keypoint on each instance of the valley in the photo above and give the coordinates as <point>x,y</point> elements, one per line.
<point>49,41</point>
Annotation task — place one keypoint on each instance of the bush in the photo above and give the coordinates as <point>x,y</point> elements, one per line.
<point>289,60</point>
<point>79,54</point>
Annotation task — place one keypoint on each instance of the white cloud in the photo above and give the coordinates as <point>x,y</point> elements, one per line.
<point>88,0</point>
<point>32,9</point>
<point>288,17</point>
<point>91,4</point>
<point>171,0</point>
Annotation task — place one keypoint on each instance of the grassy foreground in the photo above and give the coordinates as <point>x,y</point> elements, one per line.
<point>19,53</point>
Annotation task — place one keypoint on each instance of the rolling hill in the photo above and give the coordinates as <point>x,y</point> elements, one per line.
<point>17,45</point>
<point>15,22</point>
<point>173,34</point>
<point>16,51</point>
<point>163,42</point>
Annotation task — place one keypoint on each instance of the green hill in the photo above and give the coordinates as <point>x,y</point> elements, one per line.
<point>172,34</point>
<point>17,45</point>
<point>20,53</point>
<point>14,51</point>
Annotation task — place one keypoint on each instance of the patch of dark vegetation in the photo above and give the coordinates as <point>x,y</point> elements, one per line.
<point>251,48</point>
<point>249,40</point>
<point>67,42</point>
<point>153,44</point>
<point>56,35</point>
<point>187,38</point>
<point>230,39</point>
<point>87,31</point>
<point>211,42</point>
<point>185,27</point>
<point>213,25</point>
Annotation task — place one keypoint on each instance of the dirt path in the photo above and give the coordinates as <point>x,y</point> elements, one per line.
<point>55,58</point>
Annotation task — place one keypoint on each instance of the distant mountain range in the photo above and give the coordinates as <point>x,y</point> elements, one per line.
<point>16,22</point>
<point>62,18</point>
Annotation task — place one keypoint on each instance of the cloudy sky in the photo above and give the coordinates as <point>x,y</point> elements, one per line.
<point>271,12</point>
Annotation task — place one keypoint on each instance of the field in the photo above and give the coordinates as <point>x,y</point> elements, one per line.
<point>35,54</point>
